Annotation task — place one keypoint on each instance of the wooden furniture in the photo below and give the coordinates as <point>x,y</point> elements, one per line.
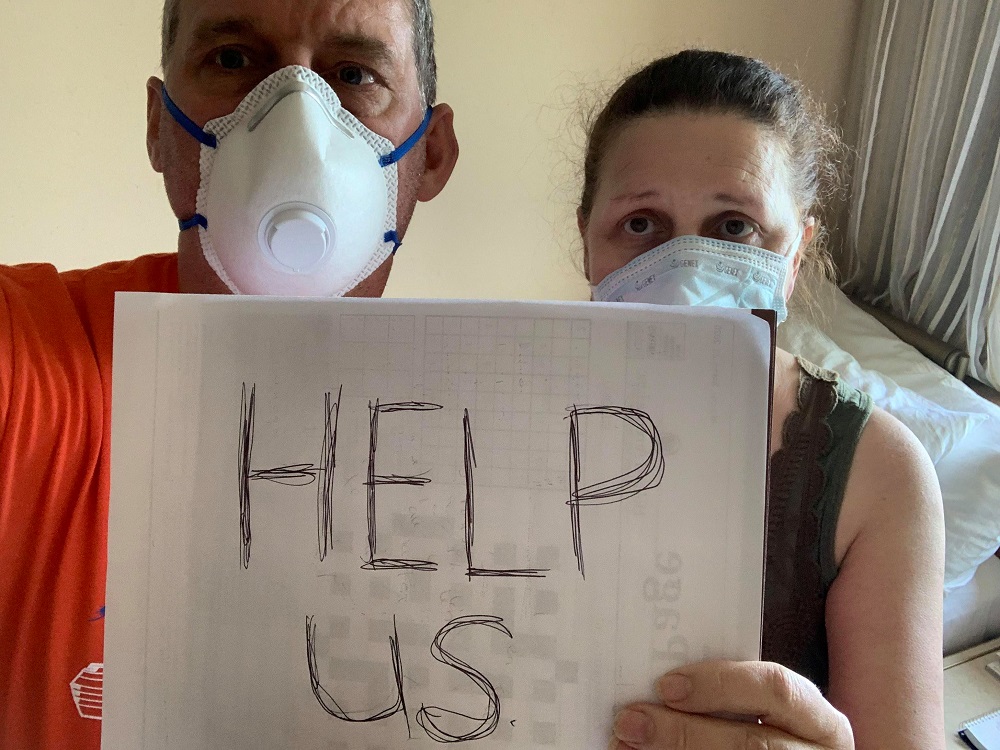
<point>969,690</point>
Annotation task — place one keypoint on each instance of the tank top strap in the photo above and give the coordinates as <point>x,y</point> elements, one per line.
<point>808,478</point>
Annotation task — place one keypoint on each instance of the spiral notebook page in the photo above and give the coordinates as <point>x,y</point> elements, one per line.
<point>372,524</point>
<point>983,733</point>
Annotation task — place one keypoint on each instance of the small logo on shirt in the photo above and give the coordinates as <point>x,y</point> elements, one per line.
<point>88,691</point>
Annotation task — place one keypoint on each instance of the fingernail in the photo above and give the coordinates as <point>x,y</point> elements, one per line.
<point>675,687</point>
<point>633,726</point>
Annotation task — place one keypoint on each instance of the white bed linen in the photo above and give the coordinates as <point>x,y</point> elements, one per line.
<point>969,469</point>
<point>972,611</point>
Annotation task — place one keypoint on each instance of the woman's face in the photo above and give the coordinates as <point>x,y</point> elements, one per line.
<point>683,173</point>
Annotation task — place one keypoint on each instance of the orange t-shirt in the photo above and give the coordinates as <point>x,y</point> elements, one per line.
<point>55,429</point>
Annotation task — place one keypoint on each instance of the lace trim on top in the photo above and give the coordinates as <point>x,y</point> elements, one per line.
<point>795,593</point>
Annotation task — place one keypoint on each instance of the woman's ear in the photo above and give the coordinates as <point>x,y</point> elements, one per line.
<point>581,223</point>
<point>808,235</point>
<point>442,152</point>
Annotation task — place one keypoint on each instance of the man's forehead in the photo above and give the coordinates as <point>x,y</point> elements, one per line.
<point>385,21</point>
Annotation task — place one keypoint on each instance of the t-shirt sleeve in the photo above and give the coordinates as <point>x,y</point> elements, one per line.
<point>53,484</point>
<point>49,385</point>
<point>6,353</point>
<point>6,356</point>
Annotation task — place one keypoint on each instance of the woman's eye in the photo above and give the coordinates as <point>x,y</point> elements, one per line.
<point>355,75</point>
<point>231,59</point>
<point>639,226</point>
<point>737,228</point>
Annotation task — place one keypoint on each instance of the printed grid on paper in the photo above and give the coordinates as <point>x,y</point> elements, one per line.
<point>517,378</point>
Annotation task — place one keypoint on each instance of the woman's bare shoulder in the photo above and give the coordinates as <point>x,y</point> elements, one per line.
<point>891,482</point>
<point>891,477</point>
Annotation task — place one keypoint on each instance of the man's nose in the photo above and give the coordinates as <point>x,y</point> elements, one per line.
<point>295,55</point>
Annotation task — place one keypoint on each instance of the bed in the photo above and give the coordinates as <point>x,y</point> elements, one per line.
<point>972,611</point>
<point>959,428</point>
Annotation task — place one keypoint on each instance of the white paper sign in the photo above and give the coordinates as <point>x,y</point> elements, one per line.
<point>373,524</point>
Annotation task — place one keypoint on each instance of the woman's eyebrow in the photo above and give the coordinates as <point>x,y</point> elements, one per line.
<point>630,197</point>
<point>738,200</point>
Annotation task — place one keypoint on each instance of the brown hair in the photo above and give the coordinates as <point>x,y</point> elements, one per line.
<point>699,81</point>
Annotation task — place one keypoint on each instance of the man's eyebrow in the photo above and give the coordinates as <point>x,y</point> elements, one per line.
<point>209,31</point>
<point>369,48</point>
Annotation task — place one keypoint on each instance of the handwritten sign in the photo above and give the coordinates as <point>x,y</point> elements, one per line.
<point>371,524</point>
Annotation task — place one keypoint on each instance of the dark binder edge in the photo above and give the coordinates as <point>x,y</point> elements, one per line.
<point>771,318</point>
<point>965,739</point>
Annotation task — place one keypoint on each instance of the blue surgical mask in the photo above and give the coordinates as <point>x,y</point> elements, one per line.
<point>693,270</point>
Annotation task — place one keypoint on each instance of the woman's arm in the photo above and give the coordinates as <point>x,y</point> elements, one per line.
<point>883,613</point>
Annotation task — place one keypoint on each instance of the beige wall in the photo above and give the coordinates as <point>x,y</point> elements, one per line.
<point>77,190</point>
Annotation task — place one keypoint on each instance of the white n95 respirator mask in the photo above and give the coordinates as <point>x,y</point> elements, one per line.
<point>297,196</point>
<point>694,270</point>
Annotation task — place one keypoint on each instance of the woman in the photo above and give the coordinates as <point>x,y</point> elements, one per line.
<point>702,178</point>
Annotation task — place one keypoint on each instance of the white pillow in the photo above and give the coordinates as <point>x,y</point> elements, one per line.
<point>969,473</point>
<point>937,428</point>
<point>970,485</point>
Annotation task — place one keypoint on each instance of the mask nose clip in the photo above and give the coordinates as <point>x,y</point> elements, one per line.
<point>297,237</point>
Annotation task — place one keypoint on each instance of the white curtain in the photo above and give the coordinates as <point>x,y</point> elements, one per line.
<point>923,230</point>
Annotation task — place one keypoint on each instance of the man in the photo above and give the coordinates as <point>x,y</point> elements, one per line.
<point>377,57</point>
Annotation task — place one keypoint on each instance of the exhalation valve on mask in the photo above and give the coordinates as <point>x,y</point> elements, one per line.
<point>297,196</point>
<point>297,236</point>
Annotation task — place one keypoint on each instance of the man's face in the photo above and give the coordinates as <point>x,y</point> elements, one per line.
<point>363,48</point>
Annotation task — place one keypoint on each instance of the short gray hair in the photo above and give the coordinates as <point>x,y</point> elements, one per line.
<point>423,47</point>
<point>423,43</point>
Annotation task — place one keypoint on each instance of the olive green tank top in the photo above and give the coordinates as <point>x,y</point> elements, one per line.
<point>807,481</point>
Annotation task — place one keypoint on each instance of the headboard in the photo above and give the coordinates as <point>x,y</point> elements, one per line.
<point>952,359</point>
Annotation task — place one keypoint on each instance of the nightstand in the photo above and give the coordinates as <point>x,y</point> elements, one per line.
<point>969,690</point>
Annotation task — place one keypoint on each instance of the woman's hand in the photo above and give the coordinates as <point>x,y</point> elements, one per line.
<point>792,713</point>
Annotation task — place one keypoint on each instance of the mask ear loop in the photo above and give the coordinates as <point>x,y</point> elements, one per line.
<point>186,122</point>
<point>789,265</point>
<point>394,156</point>
<point>406,146</point>
<point>797,241</point>
<point>790,258</point>
<point>206,139</point>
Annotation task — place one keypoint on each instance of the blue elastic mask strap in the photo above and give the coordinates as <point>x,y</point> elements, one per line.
<point>198,134</point>
<point>393,237</point>
<point>186,122</point>
<point>409,143</point>
<point>195,221</point>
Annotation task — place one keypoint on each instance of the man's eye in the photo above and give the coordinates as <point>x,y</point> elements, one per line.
<point>355,75</point>
<point>737,229</point>
<point>639,226</point>
<point>231,59</point>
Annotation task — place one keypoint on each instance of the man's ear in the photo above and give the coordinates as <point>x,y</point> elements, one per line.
<point>154,106</point>
<point>581,224</point>
<point>442,152</point>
